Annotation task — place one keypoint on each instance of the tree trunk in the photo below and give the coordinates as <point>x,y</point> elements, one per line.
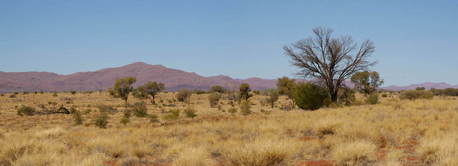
<point>334,95</point>
<point>153,101</point>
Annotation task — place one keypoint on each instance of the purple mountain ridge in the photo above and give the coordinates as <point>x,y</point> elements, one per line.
<point>173,79</point>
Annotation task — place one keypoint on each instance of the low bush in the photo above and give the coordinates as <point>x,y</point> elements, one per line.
<point>77,117</point>
<point>245,108</point>
<point>416,94</point>
<point>190,113</point>
<point>101,120</point>
<point>309,96</point>
<point>232,110</point>
<point>153,118</point>
<point>139,109</point>
<point>26,110</point>
<point>172,115</point>
<point>214,98</point>
<point>183,95</point>
<point>107,109</point>
<point>372,98</point>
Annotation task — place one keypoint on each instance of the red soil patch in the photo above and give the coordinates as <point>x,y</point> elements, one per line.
<point>316,163</point>
<point>308,138</point>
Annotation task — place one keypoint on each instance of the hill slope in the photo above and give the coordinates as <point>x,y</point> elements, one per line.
<point>103,79</point>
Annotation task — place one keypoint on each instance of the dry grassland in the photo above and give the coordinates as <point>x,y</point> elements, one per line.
<point>394,132</point>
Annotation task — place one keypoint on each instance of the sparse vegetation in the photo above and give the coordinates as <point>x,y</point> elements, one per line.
<point>214,98</point>
<point>244,92</point>
<point>122,88</point>
<point>26,110</point>
<point>183,95</point>
<point>416,94</point>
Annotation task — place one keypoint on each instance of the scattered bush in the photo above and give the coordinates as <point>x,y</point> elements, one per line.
<point>232,110</point>
<point>372,98</point>
<point>153,118</point>
<point>12,96</point>
<point>172,115</point>
<point>126,117</point>
<point>273,96</point>
<point>244,92</point>
<point>101,120</point>
<point>218,89</point>
<point>77,117</point>
<point>107,109</point>
<point>26,110</point>
<point>183,95</point>
<point>309,96</point>
<point>214,98</point>
<point>416,94</point>
<point>139,109</point>
<point>190,113</point>
<point>346,97</point>
<point>54,94</point>
<point>245,108</point>
<point>73,92</point>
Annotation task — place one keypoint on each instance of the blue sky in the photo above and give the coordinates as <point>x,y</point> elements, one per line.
<point>416,40</point>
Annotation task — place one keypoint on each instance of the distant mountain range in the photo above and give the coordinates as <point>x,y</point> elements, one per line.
<point>173,79</point>
<point>105,78</point>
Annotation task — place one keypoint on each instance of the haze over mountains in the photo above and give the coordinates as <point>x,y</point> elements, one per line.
<point>173,79</point>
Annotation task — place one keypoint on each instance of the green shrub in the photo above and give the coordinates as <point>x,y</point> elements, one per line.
<point>416,94</point>
<point>309,96</point>
<point>232,110</point>
<point>346,97</point>
<point>153,118</point>
<point>190,113</point>
<point>172,115</point>
<point>126,117</point>
<point>372,98</point>
<point>26,110</point>
<point>218,89</point>
<point>54,94</point>
<point>214,98</point>
<point>139,109</point>
<point>101,120</point>
<point>273,96</point>
<point>107,109</point>
<point>183,95</point>
<point>245,107</point>
<point>12,96</point>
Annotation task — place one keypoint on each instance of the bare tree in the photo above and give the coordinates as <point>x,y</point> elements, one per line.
<point>330,60</point>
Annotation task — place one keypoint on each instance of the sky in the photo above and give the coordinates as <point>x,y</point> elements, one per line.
<point>416,40</point>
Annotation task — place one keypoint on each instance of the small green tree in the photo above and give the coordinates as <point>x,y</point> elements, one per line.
<point>366,82</point>
<point>214,98</point>
<point>309,96</point>
<point>273,96</point>
<point>150,89</point>
<point>244,91</point>
<point>286,86</point>
<point>122,88</point>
